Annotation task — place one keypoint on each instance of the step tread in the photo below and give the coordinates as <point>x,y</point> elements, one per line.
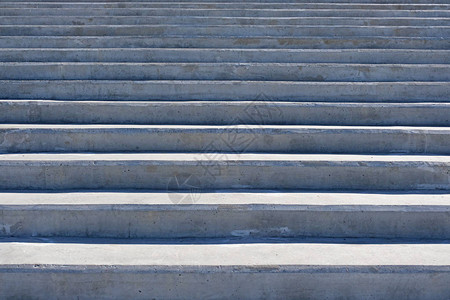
<point>225,157</point>
<point>308,51</point>
<point>299,254</point>
<point>223,12</point>
<point>421,66</point>
<point>131,4</point>
<point>230,103</point>
<point>219,128</point>
<point>228,82</point>
<point>232,199</point>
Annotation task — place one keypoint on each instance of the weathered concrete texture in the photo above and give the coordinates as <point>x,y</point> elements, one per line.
<point>160,254</point>
<point>225,71</point>
<point>237,12</point>
<point>223,171</point>
<point>232,5</point>
<point>199,20</point>
<point>132,214</point>
<point>329,269</point>
<point>212,55</point>
<point>193,130</point>
<point>223,112</point>
<point>222,30</point>
<point>238,138</point>
<point>266,42</point>
<point>225,90</point>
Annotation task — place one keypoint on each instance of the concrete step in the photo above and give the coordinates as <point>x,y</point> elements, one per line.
<point>232,5</point>
<point>174,149</point>
<point>237,139</point>
<point>219,170</point>
<point>223,30</point>
<point>225,71</point>
<point>211,55</point>
<point>223,113</point>
<point>225,90</point>
<point>276,269</point>
<point>154,20</point>
<point>329,42</point>
<point>226,214</point>
<point>225,12</point>
<point>125,214</point>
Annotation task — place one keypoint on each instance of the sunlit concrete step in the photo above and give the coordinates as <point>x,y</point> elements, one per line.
<point>329,42</point>
<point>224,30</point>
<point>405,91</point>
<point>238,138</point>
<point>279,269</point>
<point>225,71</point>
<point>199,20</point>
<point>156,214</point>
<point>214,170</point>
<point>232,12</point>
<point>223,113</point>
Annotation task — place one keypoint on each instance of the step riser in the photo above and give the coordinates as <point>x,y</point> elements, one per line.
<point>227,221</point>
<point>219,174</point>
<point>376,56</point>
<point>225,90</point>
<point>201,283</point>
<point>219,113</point>
<point>99,20</point>
<point>195,71</point>
<point>232,30</point>
<point>231,139</point>
<point>224,42</point>
<point>225,12</point>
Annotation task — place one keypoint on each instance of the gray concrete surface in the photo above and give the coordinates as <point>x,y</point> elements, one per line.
<point>232,5</point>
<point>212,55</point>
<point>266,42</point>
<point>320,269</point>
<point>145,79</point>
<point>250,214</point>
<point>418,91</point>
<point>259,254</point>
<point>223,30</point>
<point>223,112</point>
<point>238,139</point>
<point>153,20</point>
<point>225,71</point>
<point>237,12</point>
<point>223,171</point>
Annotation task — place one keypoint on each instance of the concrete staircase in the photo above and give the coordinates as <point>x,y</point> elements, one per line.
<point>218,149</point>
